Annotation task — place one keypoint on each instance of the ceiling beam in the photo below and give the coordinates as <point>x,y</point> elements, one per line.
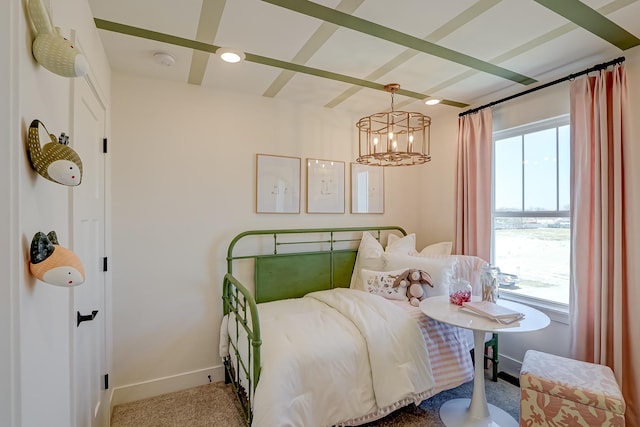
<point>592,21</point>
<point>438,34</point>
<point>210,16</point>
<point>607,9</point>
<point>258,59</point>
<point>371,28</point>
<point>315,42</point>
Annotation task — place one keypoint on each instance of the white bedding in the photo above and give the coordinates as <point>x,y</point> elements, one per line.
<point>348,357</point>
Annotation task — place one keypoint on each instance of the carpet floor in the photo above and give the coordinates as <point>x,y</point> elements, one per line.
<point>215,405</point>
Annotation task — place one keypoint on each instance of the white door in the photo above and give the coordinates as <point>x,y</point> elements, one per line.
<point>89,337</point>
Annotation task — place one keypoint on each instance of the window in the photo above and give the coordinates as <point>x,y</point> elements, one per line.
<point>531,210</point>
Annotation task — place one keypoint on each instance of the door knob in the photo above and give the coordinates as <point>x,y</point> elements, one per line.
<point>85,317</point>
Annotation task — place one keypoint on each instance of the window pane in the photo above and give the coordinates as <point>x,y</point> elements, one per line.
<point>564,160</point>
<point>531,225</point>
<point>540,166</point>
<point>508,174</point>
<point>536,250</point>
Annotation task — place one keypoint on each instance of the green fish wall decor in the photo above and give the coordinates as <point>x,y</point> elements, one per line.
<point>56,161</point>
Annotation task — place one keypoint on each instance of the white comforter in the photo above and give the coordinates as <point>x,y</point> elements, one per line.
<point>336,357</point>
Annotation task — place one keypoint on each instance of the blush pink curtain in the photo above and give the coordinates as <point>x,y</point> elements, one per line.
<point>472,231</point>
<point>603,311</point>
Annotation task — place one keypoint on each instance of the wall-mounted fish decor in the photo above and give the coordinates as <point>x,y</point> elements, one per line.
<point>53,263</point>
<point>56,161</point>
<point>51,49</point>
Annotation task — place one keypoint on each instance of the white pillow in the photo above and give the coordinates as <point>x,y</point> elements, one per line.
<point>442,248</point>
<point>370,254</point>
<point>381,283</point>
<point>439,268</point>
<point>369,257</point>
<point>401,245</point>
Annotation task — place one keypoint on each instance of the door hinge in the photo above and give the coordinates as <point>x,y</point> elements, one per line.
<point>104,145</point>
<point>106,381</point>
<point>105,264</point>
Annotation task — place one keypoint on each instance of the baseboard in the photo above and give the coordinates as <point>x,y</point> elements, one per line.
<point>156,387</point>
<point>510,366</point>
<point>108,397</point>
<point>509,378</point>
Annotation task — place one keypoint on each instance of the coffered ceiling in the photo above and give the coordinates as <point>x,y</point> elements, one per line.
<point>340,53</point>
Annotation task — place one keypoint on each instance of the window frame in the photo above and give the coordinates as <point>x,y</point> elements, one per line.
<point>556,310</point>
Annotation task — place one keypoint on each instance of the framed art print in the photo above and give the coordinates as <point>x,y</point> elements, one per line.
<point>325,186</point>
<point>367,188</point>
<point>277,184</point>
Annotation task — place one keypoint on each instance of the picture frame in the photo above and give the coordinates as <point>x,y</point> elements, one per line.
<point>325,186</point>
<point>367,189</point>
<point>277,184</point>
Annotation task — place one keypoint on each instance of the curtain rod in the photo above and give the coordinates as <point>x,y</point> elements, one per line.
<point>598,67</point>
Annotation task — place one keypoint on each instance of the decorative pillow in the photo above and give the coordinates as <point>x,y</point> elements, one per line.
<point>370,254</point>
<point>369,257</point>
<point>442,248</point>
<point>381,283</point>
<point>401,245</point>
<point>440,269</point>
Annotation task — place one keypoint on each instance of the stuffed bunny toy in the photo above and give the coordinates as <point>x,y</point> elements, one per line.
<point>51,49</point>
<point>413,280</point>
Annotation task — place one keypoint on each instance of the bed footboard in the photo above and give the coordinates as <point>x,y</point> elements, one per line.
<point>242,365</point>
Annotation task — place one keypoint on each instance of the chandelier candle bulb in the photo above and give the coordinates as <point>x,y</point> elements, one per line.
<point>407,137</point>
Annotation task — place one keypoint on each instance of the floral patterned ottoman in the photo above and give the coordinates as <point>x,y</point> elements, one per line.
<point>556,391</point>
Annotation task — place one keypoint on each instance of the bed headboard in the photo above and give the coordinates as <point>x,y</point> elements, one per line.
<point>290,263</point>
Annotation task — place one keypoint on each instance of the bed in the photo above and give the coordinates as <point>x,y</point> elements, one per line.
<point>302,345</point>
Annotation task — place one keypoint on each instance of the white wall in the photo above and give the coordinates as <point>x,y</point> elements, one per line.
<point>435,189</point>
<point>44,312</point>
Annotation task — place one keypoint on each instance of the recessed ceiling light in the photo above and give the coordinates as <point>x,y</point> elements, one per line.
<point>164,58</point>
<point>230,55</point>
<point>432,101</point>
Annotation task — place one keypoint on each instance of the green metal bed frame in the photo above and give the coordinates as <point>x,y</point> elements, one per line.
<point>293,263</point>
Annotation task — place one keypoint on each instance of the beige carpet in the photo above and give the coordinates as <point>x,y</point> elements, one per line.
<point>215,405</point>
<point>205,406</point>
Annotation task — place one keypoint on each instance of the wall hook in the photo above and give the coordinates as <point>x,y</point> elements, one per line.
<point>86,317</point>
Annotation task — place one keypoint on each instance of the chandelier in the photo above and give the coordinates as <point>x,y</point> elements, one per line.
<point>394,138</point>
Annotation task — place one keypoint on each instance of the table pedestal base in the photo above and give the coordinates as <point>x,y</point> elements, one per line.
<point>455,413</point>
